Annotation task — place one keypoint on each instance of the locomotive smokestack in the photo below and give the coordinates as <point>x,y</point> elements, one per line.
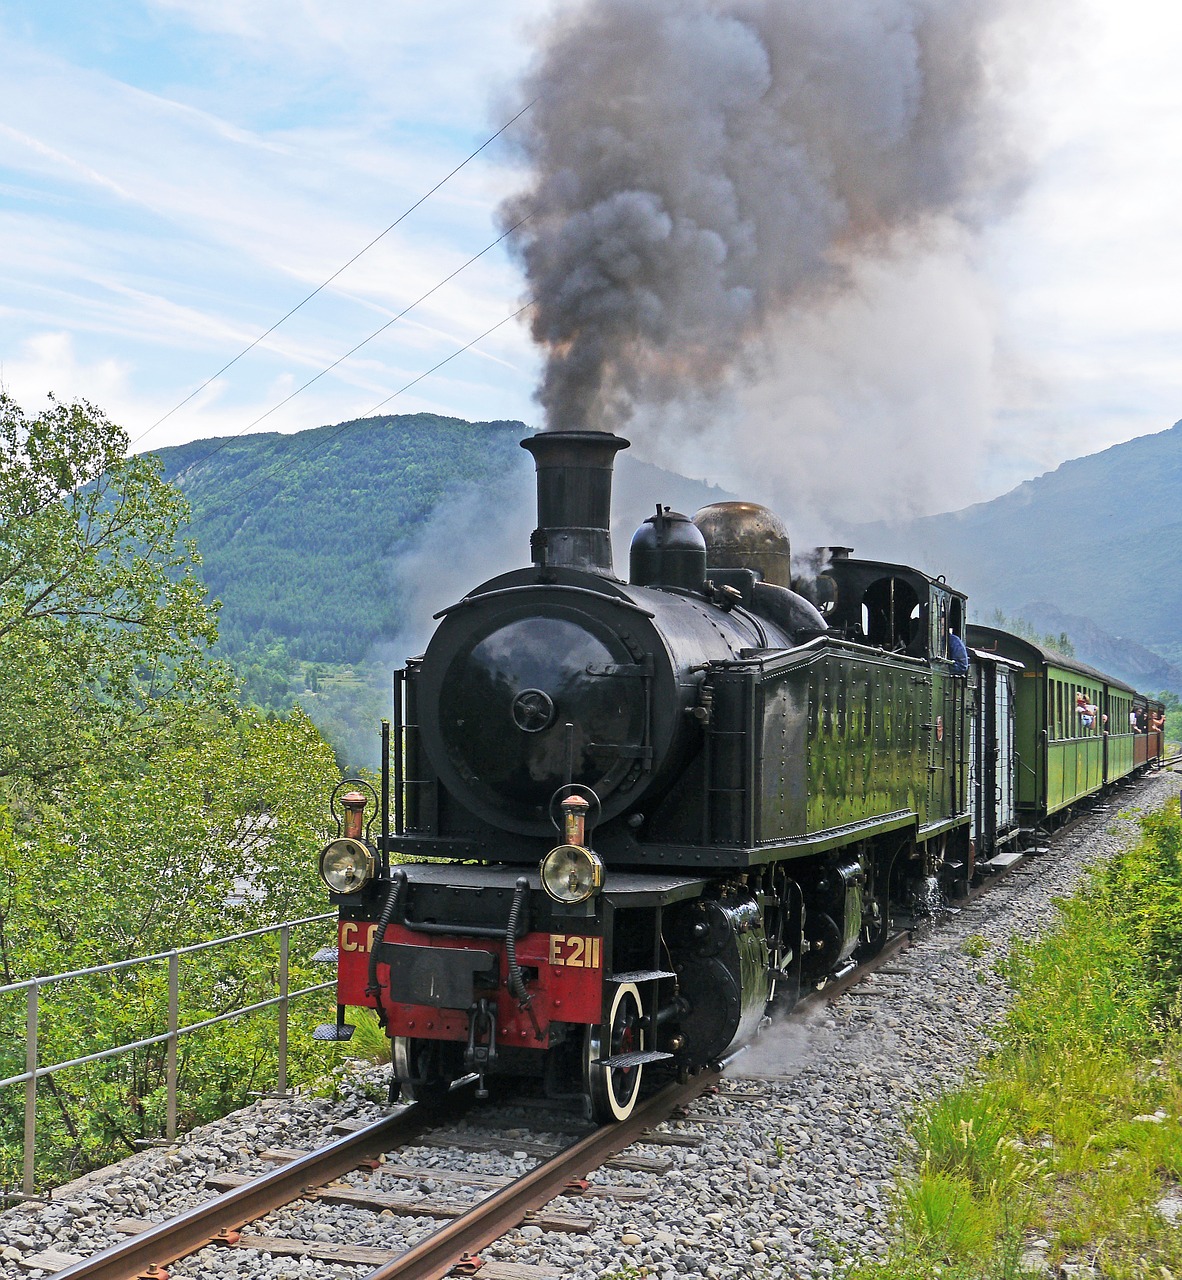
<point>574,498</point>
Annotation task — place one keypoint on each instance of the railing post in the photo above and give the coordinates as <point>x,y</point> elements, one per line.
<point>174,1008</point>
<point>170,1038</point>
<point>31,1089</point>
<point>284,948</point>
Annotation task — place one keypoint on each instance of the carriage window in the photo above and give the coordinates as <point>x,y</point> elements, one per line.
<point>1087,713</point>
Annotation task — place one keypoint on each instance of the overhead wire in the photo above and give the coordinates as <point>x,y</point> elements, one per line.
<point>376,333</point>
<point>323,440</point>
<point>447,360</point>
<point>324,285</point>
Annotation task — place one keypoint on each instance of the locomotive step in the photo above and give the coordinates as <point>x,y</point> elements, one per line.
<point>338,1031</point>
<point>326,955</point>
<point>1004,860</point>
<point>642,975</point>
<point>622,1061</point>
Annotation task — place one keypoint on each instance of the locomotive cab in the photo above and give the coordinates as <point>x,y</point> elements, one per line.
<point>892,607</point>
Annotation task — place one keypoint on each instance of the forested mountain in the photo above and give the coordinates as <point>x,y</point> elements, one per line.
<point>336,545</point>
<point>339,538</point>
<point>294,529</point>
<point>1099,539</point>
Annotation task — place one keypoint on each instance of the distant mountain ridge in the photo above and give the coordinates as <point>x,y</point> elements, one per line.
<point>330,539</point>
<point>350,536</point>
<point>1097,541</point>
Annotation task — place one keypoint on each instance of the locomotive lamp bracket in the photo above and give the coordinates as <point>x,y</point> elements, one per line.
<point>591,816</point>
<point>353,802</point>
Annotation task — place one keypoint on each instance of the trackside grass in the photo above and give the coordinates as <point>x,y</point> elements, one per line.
<point>1067,1146</point>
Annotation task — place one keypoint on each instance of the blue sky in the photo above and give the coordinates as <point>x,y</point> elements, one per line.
<point>176,174</point>
<point>174,177</point>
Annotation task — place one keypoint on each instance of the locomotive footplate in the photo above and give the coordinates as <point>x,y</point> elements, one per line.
<point>453,882</point>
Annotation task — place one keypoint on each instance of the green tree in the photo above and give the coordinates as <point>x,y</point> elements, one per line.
<point>103,621</point>
<point>220,837</point>
<point>1061,643</point>
<point>141,809</point>
<point>1173,706</point>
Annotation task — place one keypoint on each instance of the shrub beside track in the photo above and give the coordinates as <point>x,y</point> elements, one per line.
<point>1069,1146</point>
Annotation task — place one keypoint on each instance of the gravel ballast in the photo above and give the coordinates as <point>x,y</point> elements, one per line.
<point>800,1171</point>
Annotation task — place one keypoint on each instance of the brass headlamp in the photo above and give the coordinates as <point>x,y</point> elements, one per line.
<point>572,873</point>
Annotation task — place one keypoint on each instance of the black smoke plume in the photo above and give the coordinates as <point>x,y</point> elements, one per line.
<point>698,168</point>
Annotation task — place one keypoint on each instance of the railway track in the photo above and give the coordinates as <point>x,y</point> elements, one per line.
<point>148,1249</point>
<point>372,1154</point>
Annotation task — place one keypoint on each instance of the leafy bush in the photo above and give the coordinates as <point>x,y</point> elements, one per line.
<point>1072,1131</point>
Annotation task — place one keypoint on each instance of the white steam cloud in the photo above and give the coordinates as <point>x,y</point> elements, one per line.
<point>708,179</point>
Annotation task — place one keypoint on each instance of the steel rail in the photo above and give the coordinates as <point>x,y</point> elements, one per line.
<point>893,947</point>
<point>190,1231</point>
<point>433,1257</point>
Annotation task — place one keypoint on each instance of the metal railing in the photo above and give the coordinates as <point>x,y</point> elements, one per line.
<point>33,987</point>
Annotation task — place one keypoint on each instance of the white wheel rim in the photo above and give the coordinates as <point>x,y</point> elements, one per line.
<point>600,1078</point>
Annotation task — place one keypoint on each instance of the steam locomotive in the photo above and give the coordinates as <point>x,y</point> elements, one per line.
<point>619,821</point>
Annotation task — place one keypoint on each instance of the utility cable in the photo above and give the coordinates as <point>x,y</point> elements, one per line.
<point>324,440</point>
<point>364,341</point>
<point>320,287</point>
<point>447,360</point>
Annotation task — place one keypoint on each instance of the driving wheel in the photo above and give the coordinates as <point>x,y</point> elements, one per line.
<point>613,1087</point>
<point>424,1068</point>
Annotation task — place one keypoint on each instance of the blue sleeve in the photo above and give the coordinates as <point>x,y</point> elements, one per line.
<point>960,655</point>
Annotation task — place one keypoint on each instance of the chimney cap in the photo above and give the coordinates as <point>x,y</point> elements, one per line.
<point>547,443</point>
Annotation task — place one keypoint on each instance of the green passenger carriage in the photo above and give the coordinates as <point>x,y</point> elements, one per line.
<point>1073,725</point>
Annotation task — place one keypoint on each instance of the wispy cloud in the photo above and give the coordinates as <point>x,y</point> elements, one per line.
<point>176,174</point>
<point>157,225</point>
